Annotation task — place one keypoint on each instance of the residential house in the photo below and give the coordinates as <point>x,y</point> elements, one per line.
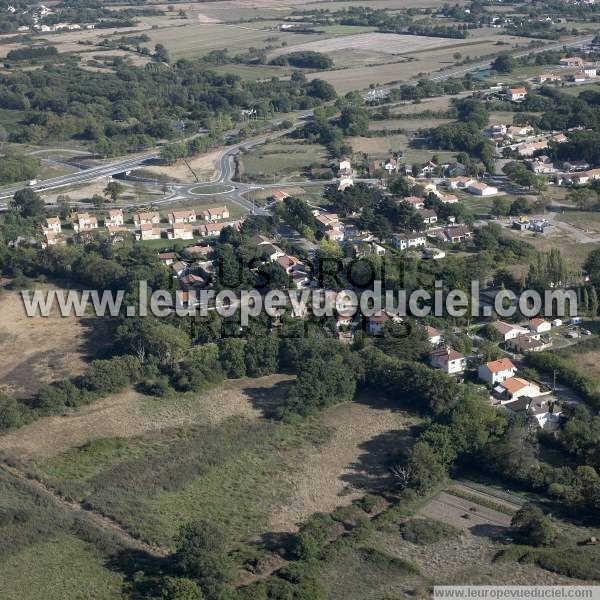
<point>167,258</point>
<point>530,148</point>
<point>182,216</point>
<point>431,188</point>
<point>52,225</point>
<point>52,238</point>
<point>482,189</point>
<point>179,268</point>
<point>115,217</point>
<point>345,174</point>
<point>514,388</point>
<point>539,325</point>
<point>212,229</point>
<point>451,361</point>
<point>448,198</point>
<point>332,226</point>
<point>180,231</point>
<point>496,371</point>
<point>454,234</point>
<point>576,165</point>
<point>508,331</point>
<point>290,264</point>
<point>579,77</point>
<point>376,323</point>
<point>414,201</point>
<point>429,216</point>
<point>84,222</point>
<point>115,230</point>
<point>146,218</point>
<point>197,250</point>
<point>516,94</point>
<point>429,168</point>
<point>546,413</point>
<point>590,72</point>
<point>404,241</point>
<point>216,214</point>
<point>460,183</point>
<point>147,231</point>
<point>571,61</point>
<point>279,195</point>
<point>271,251</point>
<point>527,343</point>
<point>456,169</point>
<point>519,131</point>
<point>433,335</point>
<point>548,78</point>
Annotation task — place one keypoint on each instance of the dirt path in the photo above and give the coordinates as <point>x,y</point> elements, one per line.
<point>91,517</point>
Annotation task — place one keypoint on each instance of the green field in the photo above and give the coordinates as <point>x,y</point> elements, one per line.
<point>232,474</point>
<point>281,161</point>
<point>41,556</point>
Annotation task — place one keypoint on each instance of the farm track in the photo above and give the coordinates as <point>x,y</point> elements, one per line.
<point>91,517</point>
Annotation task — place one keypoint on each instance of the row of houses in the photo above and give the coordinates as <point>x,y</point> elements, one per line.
<point>183,225</point>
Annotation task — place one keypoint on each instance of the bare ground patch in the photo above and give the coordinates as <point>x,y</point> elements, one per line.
<point>130,414</point>
<point>203,166</point>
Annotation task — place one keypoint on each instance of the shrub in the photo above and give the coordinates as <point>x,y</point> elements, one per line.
<point>427,531</point>
<point>11,413</point>
<point>313,536</point>
<point>385,561</point>
<point>113,375</point>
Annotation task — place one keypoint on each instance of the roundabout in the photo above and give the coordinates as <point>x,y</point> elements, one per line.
<point>211,189</point>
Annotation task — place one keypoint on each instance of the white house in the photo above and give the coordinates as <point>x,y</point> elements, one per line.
<point>516,94</point>
<point>496,371</point>
<point>53,225</point>
<point>180,231</point>
<point>84,222</point>
<point>482,189</point>
<point>182,216</point>
<point>508,331</point>
<point>539,326</point>
<point>146,218</point>
<point>147,231</point>
<point>115,218</point>
<point>216,214</point>
<point>433,335</point>
<point>516,387</point>
<point>451,361</point>
<point>404,241</point>
<point>460,183</point>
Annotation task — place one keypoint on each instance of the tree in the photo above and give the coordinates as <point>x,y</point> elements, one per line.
<point>532,527</point>
<point>114,189</point>
<point>593,302</point>
<point>202,554</point>
<point>262,356</point>
<point>11,413</point>
<point>233,357</point>
<point>425,468</point>
<point>504,63</point>
<point>161,54</point>
<point>28,203</point>
<point>180,588</point>
<point>501,206</point>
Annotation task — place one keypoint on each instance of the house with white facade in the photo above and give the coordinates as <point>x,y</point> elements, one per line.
<point>496,371</point>
<point>449,360</point>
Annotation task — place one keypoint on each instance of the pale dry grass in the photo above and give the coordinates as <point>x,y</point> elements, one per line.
<point>37,350</point>
<point>204,166</point>
<point>131,414</point>
<point>336,475</point>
